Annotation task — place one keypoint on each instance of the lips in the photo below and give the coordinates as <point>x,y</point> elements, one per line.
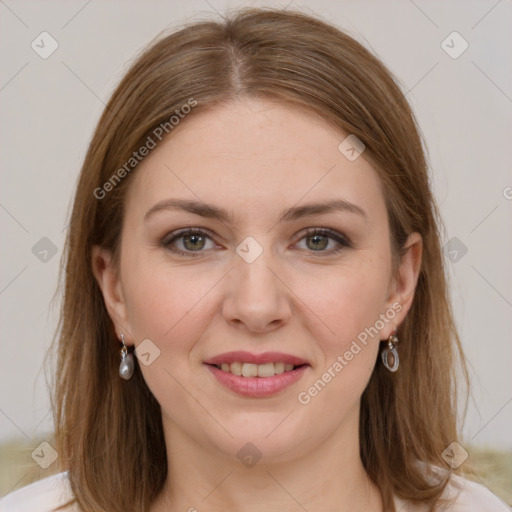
<point>248,357</point>
<point>256,375</point>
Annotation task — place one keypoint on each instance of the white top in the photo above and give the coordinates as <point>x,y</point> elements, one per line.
<point>46,494</point>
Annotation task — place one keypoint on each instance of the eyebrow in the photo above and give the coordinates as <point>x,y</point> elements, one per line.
<point>294,213</point>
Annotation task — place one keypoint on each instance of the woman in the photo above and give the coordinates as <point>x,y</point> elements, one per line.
<point>254,217</point>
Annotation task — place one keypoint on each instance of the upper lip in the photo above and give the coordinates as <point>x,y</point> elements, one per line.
<point>249,357</point>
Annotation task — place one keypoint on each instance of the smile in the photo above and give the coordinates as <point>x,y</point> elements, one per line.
<point>256,375</point>
<point>256,370</point>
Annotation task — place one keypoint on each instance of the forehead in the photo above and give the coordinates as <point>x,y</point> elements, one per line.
<point>256,156</point>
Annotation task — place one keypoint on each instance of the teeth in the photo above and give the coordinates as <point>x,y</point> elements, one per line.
<point>256,370</point>
<point>279,368</point>
<point>236,368</point>
<point>266,370</point>
<point>249,370</point>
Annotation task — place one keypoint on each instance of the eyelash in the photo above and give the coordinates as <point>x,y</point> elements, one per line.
<point>310,232</point>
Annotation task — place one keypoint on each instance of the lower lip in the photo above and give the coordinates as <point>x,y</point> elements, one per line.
<point>257,387</point>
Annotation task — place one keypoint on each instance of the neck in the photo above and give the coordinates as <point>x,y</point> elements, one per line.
<point>329,478</point>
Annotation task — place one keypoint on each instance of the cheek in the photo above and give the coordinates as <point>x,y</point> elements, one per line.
<point>351,308</point>
<point>166,304</point>
<point>349,301</point>
<point>170,307</point>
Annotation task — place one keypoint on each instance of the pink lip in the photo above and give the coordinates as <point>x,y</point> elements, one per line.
<point>257,387</point>
<point>248,357</point>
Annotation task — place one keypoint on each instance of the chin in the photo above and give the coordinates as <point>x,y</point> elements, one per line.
<point>270,439</point>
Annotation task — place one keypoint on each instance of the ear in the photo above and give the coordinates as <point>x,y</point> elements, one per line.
<point>107,276</point>
<point>403,283</point>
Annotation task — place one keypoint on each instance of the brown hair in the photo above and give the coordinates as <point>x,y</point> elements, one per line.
<point>109,432</point>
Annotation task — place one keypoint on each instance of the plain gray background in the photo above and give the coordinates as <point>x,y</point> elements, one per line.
<point>49,108</point>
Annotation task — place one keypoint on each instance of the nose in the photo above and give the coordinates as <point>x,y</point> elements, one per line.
<point>257,298</point>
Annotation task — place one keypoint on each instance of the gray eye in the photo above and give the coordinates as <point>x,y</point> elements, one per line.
<point>317,242</point>
<point>193,242</point>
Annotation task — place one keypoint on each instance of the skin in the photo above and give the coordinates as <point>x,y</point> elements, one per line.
<point>256,158</point>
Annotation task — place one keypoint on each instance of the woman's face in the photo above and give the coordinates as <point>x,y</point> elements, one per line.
<point>267,274</point>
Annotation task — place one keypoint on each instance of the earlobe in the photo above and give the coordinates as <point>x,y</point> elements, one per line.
<point>406,278</point>
<point>107,277</point>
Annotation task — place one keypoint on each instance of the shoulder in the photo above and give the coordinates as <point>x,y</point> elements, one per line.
<point>41,496</point>
<point>472,496</point>
<point>460,495</point>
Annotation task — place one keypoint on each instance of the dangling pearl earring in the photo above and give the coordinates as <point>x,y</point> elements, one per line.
<point>389,355</point>
<point>127,363</point>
